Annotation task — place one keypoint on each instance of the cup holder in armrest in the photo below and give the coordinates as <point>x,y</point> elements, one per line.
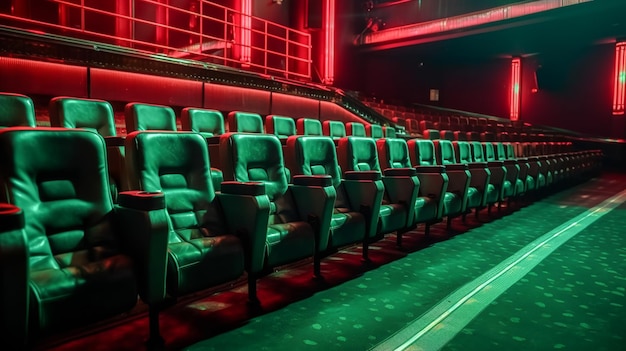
<point>142,200</point>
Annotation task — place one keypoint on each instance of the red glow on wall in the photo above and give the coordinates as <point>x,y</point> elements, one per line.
<point>246,28</point>
<point>515,88</point>
<point>328,71</point>
<point>620,79</point>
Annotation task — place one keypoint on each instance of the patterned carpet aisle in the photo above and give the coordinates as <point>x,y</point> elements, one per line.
<point>573,300</point>
<point>362,312</point>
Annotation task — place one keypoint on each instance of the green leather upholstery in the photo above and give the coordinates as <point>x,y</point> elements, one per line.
<point>206,122</point>
<point>499,166</point>
<point>459,178</point>
<point>431,134</point>
<point>334,129</point>
<point>245,122</point>
<point>16,110</point>
<point>524,181</point>
<point>203,249</point>
<point>309,126</point>
<point>390,132</point>
<point>496,173</point>
<point>88,259</point>
<point>435,183</point>
<point>149,117</point>
<point>359,154</point>
<point>280,126</point>
<point>394,154</point>
<point>355,129</point>
<point>479,174</point>
<point>97,116</point>
<point>374,131</point>
<point>291,232</point>
<point>14,272</point>
<point>315,156</point>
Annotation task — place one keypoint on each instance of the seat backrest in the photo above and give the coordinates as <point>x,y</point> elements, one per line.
<point>374,131</point>
<point>393,153</point>
<point>96,115</point>
<point>206,122</point>
<point>489,151</point>
<point>309,126</point>
<point>424,125</point>
<point>447,135</point>
<point>313,155</point>
<point>473,136</point>
<point>444,150</point>
<point>510,151</point>
<point>334,129</point>
<point>355,129</point>
<point>422,152</point>
<point>176,164</point>
<point>463,151</point>
<point>58,177</point>
<point>245,122</point>
<point>390,132</point>
<point>431,134</point>
<point>254,158</point>
<point>500,151</point>
<point>357,154</point>
<point>477,152</point>
<point>149,117</point>
<point>16,110</point>
<point>280,126</point>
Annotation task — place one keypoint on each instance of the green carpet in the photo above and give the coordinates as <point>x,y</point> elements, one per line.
<point>573,300</point>
<point>362,312</point>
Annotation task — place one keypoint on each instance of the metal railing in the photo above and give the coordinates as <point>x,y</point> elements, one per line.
<point>202,31</point>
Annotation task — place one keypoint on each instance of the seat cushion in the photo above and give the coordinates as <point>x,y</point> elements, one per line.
<point>392,217</point>
<point>203,261</point>
<point>452,203</point>
<point>346,227</point>
<point>474,197</point>
<point>425,209</point>
<point>289,242</point>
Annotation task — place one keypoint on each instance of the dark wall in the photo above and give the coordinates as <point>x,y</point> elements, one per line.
<point>575,88</point>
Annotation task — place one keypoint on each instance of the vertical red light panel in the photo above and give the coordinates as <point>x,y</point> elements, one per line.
<point>328,70</point>
<point>246,28</point>
<point>620,78</point>
<point>515,88</point>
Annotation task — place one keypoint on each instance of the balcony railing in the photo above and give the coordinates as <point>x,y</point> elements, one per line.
<point>201,30</point>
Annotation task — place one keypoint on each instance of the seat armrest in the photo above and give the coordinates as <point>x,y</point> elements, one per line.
<point>142,220</point>
<point>403,190</point>
<point>362,175</point>
<point>114,141</point>
<point>365,197</point>
<point>247,215</point>
<point>12,217</point>
<point>399,172</point>
<point>213,140</point>
<point>14,273</point>
<point>430,169</point>
<point>495,163</point>
<point>457,167</point>
<point>315,203</point>
<point>312,180</point>
<point>474,165</point>
<point>243,188</point>
<point>142,200</point>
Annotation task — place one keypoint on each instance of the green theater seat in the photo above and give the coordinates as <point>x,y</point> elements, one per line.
<point>97,116</point>
<point>358,159</point>
<point>300,213</point>
<point>316,156</point>
<point>208,123</point>
<point>282,127</point>
<point>88,259</point>
<point>245,122</point>
<point>210,240</point>
<point>16,110</point>
<point>393,155</point>
<point>309,126</point>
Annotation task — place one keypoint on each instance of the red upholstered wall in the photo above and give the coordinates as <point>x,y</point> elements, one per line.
<point>294,106</point>
<point>42,78</point>
<point>123,86</point>
<point>227,98</point>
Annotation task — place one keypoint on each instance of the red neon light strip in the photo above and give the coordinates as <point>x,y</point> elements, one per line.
<point>515,88</point>
<point>619,92</point>
<point>246,28</point>
<point>328,73</point>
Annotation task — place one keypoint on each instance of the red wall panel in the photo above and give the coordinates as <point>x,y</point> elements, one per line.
<point>295,106</point>
<point>30,77</point>
<point>133,87</point>
<point>227,98</point>
<point>334,112</point>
